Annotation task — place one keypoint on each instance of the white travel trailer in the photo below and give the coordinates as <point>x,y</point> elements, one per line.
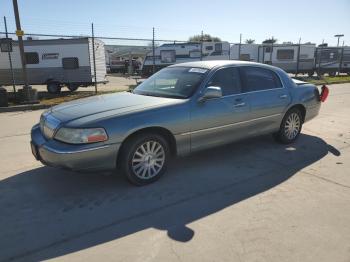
<point>169,54</point>
<point>56,63</point>
<point>284,56</point>
<point>332,59</point>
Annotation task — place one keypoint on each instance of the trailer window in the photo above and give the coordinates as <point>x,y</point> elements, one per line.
<point>285,54</point>
<point>218,47</point>
<point>167,56</point>
<point>268,49</point>
<point>209,48</point>
<point>70,63</point>
<point>245,57</point>
<point>195,54</point>
<point>328,54</point>
<point>31,58</point>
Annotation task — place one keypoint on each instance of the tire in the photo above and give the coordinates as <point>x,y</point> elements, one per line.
<point>332,74</point>
<point>54,87</point>
<point>138,165</point>
<point>293,118</point>
<point>72,87</point>
<point>310,73</point>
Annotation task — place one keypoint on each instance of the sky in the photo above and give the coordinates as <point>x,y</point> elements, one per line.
<point>312,21</point>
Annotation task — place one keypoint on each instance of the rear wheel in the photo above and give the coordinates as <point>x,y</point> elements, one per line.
<point>73,87</point>
<point>310,73</point>
<point>54,87</point>
<point>290,127</point>
<point>144,158</point>
<point>332,74</point>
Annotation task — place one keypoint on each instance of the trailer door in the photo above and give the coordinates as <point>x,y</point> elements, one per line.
<point>71,69</point>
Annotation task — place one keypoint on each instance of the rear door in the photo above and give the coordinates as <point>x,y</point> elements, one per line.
<point>267,95</point>
<point>220,120</point>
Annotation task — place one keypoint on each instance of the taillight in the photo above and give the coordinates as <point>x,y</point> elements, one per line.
<point>324,93</point>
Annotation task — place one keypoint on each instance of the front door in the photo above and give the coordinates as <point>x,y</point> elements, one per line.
<point>220,120</point>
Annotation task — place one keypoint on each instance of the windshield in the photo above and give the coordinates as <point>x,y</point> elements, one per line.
<point>173,82</point>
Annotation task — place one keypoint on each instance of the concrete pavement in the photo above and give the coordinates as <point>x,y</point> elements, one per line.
<point>255,200</point>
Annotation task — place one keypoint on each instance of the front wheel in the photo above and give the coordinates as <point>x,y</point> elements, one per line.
<point>144,158</point>
<point>54,87</point>
<point>290,127</point>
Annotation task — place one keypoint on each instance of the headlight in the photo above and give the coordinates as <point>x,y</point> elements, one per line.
<point>81,136</point>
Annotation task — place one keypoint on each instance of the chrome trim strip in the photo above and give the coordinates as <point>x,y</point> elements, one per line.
<point>74,152</point>
<point>228,125</point>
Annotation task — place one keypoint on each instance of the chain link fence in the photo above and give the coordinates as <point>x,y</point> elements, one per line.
<point>59,62</point>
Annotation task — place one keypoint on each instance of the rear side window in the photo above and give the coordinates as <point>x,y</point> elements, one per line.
<point>257,79</point>
<point>285,54</point>
<point>70,63</point>
<point>228,79</point>
<point>31,58</point>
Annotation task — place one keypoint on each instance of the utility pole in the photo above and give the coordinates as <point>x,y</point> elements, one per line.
<point>153,53</point>
<point>298,57</point>
<point>338,36</point>
<point>29,95</point>
<point>239,47</point>
<point>341,59</point>
<point>93,55</point>
<point>10,60</point>
<point>202,39</point>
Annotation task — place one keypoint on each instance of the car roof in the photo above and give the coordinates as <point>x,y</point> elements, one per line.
<point>217,63</point>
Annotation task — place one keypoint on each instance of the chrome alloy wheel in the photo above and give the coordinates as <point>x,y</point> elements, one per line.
<point>148,159</point>
<point>292,126</point>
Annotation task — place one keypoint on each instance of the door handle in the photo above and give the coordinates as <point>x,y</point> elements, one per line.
<point>283,96</point>
<point>239,104</point>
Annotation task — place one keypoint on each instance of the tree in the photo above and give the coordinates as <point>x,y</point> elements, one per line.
<point>205,38</point>
<point>271,40</point>
<point>249,41</point>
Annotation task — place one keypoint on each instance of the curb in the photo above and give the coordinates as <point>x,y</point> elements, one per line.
<point>333,83</point>
<point>23,108</point>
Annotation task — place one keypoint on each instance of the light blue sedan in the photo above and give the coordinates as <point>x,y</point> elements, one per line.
<point>181,109</point>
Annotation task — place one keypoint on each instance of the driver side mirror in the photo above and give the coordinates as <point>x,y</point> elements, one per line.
<point>210,92</point>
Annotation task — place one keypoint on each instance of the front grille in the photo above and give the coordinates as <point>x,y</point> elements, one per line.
<point>48,125</point>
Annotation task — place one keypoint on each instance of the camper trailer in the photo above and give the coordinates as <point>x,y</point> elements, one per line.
<point>332,59</point>
<point>284,56</point>
<point>168,54</point>
<point>56,63</point>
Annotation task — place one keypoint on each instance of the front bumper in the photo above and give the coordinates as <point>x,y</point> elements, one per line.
<point>89,157</point>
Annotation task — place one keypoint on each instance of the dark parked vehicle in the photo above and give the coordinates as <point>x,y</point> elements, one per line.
<point>181,109</point>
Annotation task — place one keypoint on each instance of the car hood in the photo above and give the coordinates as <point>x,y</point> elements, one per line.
<point>114,104</point>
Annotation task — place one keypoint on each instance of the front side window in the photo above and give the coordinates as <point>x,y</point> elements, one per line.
<point>31,58</point>
<point>172,82</point>
<point>285,54</point>
<point>70,63</point>
<point>228,80</point>
<point>257,79</point>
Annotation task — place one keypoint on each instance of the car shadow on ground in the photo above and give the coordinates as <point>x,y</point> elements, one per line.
<point>47,212</point>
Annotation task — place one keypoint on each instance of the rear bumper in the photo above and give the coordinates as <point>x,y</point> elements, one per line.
<point>92,157</point>
<point>312,112</point>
